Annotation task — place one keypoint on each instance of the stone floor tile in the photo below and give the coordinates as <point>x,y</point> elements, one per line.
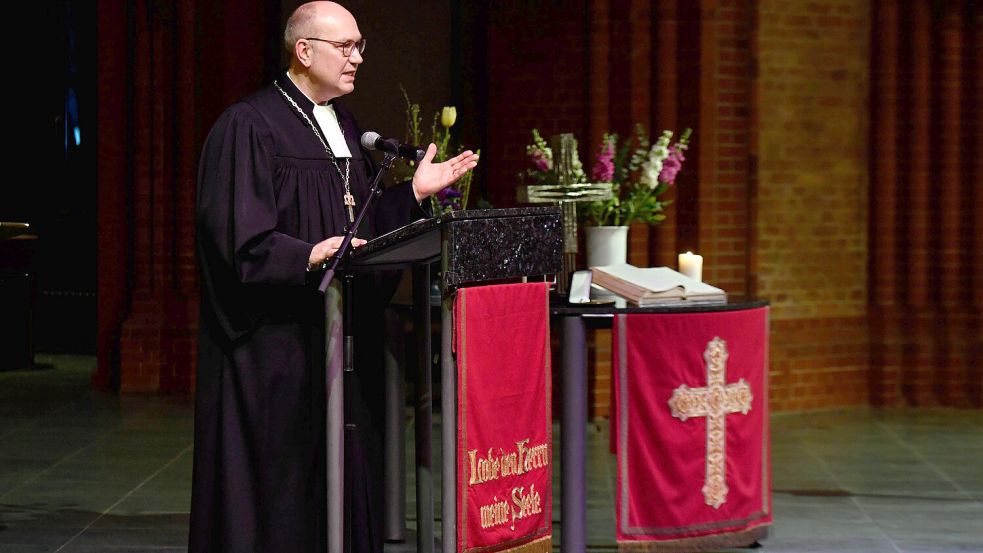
<point>112,474</point>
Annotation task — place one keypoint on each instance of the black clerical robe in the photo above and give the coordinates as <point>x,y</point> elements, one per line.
<point>267,193</point>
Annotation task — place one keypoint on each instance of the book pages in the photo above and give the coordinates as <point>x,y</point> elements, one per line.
<point>655,285</point>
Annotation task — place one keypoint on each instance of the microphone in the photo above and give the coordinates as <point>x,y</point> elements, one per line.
<point>372,141</point>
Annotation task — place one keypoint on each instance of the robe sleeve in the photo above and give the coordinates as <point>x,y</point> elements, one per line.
<point>237,211</point>
<point>398,207</point>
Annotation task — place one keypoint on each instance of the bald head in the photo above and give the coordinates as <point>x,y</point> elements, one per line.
<point>305,19</point>
<point>325,46</point>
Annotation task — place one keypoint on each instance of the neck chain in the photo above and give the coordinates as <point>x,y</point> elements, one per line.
<point>349,199</point>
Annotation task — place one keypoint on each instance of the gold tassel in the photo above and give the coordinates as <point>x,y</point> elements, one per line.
<point>542,545</point>
<point>700,543</point>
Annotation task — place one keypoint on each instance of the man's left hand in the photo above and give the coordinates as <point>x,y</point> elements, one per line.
<point>431,178</point>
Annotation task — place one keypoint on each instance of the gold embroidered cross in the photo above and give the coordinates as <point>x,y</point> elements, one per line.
<point>714,402</point>
<point>350,202</point>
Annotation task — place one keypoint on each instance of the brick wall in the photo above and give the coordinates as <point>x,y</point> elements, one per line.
<point>811,198</point>
<point>724,132</point>
<point>161,87</point>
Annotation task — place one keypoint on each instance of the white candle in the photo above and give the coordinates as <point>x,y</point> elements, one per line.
<point>691,265</point>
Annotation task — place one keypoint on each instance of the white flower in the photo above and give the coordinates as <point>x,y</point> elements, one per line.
<point>650,174</point>
<point>652,165</point>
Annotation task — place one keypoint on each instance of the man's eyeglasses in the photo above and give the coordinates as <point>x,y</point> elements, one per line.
<point>347,46</point>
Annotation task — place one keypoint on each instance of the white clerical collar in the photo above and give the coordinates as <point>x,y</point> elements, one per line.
<point>327,119</point>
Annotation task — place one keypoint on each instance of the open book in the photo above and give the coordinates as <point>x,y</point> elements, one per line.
<point>656,286</point>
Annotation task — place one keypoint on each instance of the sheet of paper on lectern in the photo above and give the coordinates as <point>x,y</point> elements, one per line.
<point>650,286</point>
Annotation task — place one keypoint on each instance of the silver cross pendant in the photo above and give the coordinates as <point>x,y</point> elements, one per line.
<point>350,203</point>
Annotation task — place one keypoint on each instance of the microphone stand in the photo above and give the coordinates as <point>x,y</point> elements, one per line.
<point>374,191</point>
<point>337,497</point>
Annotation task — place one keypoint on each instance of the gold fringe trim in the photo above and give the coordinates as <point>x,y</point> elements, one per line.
<point>699,543</point>
<point>542,545</point>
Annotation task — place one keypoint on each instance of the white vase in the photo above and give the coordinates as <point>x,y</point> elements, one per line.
<point>606,245</point>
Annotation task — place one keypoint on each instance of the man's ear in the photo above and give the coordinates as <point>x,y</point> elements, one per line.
<point>304,52</point>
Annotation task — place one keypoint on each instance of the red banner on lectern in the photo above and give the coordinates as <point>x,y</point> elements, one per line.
<point>691,426</point>
<point>504,446</point>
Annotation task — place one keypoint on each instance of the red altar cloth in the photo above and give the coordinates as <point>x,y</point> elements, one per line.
<point>504,449</point>
<point>691,428</point>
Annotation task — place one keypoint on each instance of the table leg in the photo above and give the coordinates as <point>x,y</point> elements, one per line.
<point>573,436</point>
<point>424,410</point>
<point>395,460</point>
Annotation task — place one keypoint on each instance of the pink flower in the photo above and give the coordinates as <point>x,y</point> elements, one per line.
<point>672,165</point>
<point>604,166</point>
<point>540,160</point>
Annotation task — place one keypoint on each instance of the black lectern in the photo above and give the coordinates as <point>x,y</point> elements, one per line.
<point>473,247</point>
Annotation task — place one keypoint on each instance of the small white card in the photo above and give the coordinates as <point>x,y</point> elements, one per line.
<point>580,287</point>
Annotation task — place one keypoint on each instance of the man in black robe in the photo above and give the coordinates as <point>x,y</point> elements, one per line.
<point>277,175</point>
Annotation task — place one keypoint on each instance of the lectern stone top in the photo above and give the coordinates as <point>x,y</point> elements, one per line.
<point>475,245</point>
